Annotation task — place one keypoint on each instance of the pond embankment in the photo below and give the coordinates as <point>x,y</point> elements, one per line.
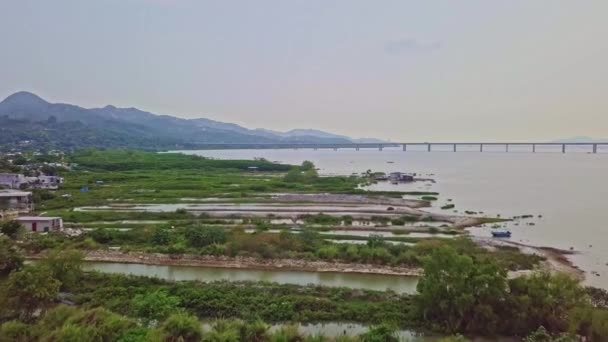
<point>244,263</point>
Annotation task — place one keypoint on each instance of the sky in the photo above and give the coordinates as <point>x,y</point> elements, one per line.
<point>470,70</point>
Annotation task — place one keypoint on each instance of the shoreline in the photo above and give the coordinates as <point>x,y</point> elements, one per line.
<point>294,265</point>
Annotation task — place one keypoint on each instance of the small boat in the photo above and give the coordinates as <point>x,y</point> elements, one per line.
<point>501,234</point>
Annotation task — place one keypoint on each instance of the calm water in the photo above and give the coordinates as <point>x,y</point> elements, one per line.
<point>568,190</point>
<point>209,274</point>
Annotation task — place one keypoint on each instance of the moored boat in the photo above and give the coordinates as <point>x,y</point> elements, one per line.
<point>501,234</point>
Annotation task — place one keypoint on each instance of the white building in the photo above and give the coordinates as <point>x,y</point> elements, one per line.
<point>41,224</point>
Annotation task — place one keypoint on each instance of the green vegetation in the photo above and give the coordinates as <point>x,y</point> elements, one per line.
<point>127,160</point>
<point>10,258</point>
<point>268,301</point>
<point>322,219</point>
<point>64,323</point>
<point>145,177</point>
<point>428,198</point>
<point>464,289</point>
<point>458,294</point>
<point>307,244</point>
<point>12,229</point>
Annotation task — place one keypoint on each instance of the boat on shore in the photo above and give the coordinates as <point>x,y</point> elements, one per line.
<point>501,234</point>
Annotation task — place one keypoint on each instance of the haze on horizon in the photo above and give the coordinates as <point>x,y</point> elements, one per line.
<point>399,70</point>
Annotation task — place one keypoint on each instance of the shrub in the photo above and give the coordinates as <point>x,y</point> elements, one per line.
<point>182,327</point>
<point>198,236</point>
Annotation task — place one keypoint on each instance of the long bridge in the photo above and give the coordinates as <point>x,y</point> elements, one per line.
<point>593,147</point>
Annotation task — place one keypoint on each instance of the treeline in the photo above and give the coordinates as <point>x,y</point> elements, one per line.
<point>72,135</point>
<point>124,160</point>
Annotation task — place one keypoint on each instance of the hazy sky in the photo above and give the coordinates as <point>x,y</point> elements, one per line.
<point>402,70</point>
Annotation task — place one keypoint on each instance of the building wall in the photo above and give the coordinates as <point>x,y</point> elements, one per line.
<point>11,180</point>
<point>22,204</point>
<point>42,226</point>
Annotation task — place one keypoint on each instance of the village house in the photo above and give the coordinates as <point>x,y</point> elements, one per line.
<point>46,182</point>
<point>18,181</point>
<point>13,201</point>
<point>40,223</point>
<point>11,180</point>
<point>400,177</point>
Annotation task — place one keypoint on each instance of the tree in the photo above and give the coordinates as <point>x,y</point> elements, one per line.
<point>461,295</point>
<point>155,306</point>
<point>375,240</point>
<point>30,289</point>
<point>65,266</point>
<point>102,235</point>
<point>161,236</point>
<point>198,236</point>
<point>293,176</point>
<point>307,165</point>
<point>182,327</point>
<point>590,322</point>
<point>10,259</point>
<point>543,300</point>
<point>19,160</point>
<point>11,228</point>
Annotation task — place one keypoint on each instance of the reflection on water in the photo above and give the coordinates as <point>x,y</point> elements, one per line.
<point>330,329</point>
<point>399,284</point>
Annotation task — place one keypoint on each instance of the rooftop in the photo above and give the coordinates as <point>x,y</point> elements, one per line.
<point>36,218</point>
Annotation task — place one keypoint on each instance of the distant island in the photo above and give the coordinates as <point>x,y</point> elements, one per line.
<point>28,120</point>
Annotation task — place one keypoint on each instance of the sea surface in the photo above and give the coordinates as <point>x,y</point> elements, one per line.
<point>567,193</point>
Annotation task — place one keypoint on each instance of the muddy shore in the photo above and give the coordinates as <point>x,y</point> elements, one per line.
<point>556,259</point>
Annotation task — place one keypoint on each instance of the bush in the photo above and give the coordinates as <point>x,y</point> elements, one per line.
<point>15,331</point>
<point>198,236</point>
<point>182,327</point>
<point>381,333</point>
<point>155,306</point>
<point>102,235</point>
<point>161,236</point>
<point>12,229</point>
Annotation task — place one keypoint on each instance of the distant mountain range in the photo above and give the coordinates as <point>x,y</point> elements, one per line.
<point>25,118</point>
